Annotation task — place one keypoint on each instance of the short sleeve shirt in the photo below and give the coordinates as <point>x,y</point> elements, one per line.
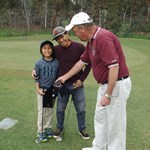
<point>103,51</point>
<point>47,72</point>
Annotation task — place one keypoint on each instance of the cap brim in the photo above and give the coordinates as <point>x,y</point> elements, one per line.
<point>46,42</point>
<point>58,35</point>
<point>69,27</point>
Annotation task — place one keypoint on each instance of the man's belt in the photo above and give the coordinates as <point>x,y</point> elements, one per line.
<point>122,78</point>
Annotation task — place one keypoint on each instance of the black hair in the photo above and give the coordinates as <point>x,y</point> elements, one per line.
<point>47,42</point>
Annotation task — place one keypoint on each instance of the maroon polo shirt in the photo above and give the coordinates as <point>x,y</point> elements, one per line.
<point>103,51</point>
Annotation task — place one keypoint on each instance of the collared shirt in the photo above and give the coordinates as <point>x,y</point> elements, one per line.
<point>102,52</point>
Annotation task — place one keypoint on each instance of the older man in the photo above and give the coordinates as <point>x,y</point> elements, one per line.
<point>104,52</point>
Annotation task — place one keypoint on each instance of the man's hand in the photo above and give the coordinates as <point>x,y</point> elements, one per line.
<point>33,74</point>
<point>75,69</point>
<point>104,101</point>
<point>61,79</point>
<point>77,84</point>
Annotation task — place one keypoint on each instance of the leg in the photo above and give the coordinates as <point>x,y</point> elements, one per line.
<point>79,103</point>
<point>49,116</point>
<point>48,122</point>
<point>117,121</point>
<point>100,124</point>
<point>62,101</point>
<point>40,113</point>
<point>40,123</point>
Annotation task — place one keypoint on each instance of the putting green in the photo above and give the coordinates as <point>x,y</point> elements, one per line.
<point>134,57</point>
<point>22,55</point>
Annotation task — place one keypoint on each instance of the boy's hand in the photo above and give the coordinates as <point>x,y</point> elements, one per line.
<point>33,74</point>
<point>40,92</point>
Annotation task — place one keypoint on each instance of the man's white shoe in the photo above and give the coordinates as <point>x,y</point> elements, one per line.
<point>87,148</point>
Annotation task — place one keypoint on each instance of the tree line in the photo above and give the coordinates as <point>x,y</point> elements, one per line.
<point>120,16</point>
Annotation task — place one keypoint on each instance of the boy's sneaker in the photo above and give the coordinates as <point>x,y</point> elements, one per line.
<point>84,134</point>
<point>49,132</point>
<point>57,133</point>
<point>41,138</point>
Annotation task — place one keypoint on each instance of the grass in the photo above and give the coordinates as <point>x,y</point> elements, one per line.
<point>138,133</point>
<point>18,97</point>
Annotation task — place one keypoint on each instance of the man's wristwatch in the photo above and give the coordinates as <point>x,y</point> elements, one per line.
<point>108,96</point>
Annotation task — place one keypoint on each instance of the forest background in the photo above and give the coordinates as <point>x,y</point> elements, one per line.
<point>126,18</point>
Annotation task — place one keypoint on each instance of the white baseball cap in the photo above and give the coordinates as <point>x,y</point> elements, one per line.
<point>80,18</point>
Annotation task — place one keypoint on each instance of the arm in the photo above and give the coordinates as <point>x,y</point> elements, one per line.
<point>39,91</point>
<point>33,74</point>
<point>75,69</point>
<point>87,67</point>
<point>84,75</point>
<point>112,78</point>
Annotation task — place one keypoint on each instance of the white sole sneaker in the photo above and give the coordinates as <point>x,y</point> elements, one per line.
<point>57,136</point>
<point>38,140</point>
<point>86,138</point>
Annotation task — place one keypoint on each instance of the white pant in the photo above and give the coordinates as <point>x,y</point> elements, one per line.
<point>110,121</point>
<point>47,115</point>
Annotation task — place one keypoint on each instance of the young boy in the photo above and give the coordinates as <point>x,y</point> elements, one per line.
<point>46,74</point>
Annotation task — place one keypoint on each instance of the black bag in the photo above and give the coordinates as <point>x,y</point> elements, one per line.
<point>48,100</point>
<point>51,94</point>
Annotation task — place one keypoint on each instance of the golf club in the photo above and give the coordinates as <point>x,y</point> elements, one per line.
<point>61,137</point>
<point>38,139</point>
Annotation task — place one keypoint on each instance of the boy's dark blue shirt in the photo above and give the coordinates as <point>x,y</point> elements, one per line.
<point>46,72</point>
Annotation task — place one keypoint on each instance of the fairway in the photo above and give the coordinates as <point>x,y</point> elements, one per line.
<point>18,97</point>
